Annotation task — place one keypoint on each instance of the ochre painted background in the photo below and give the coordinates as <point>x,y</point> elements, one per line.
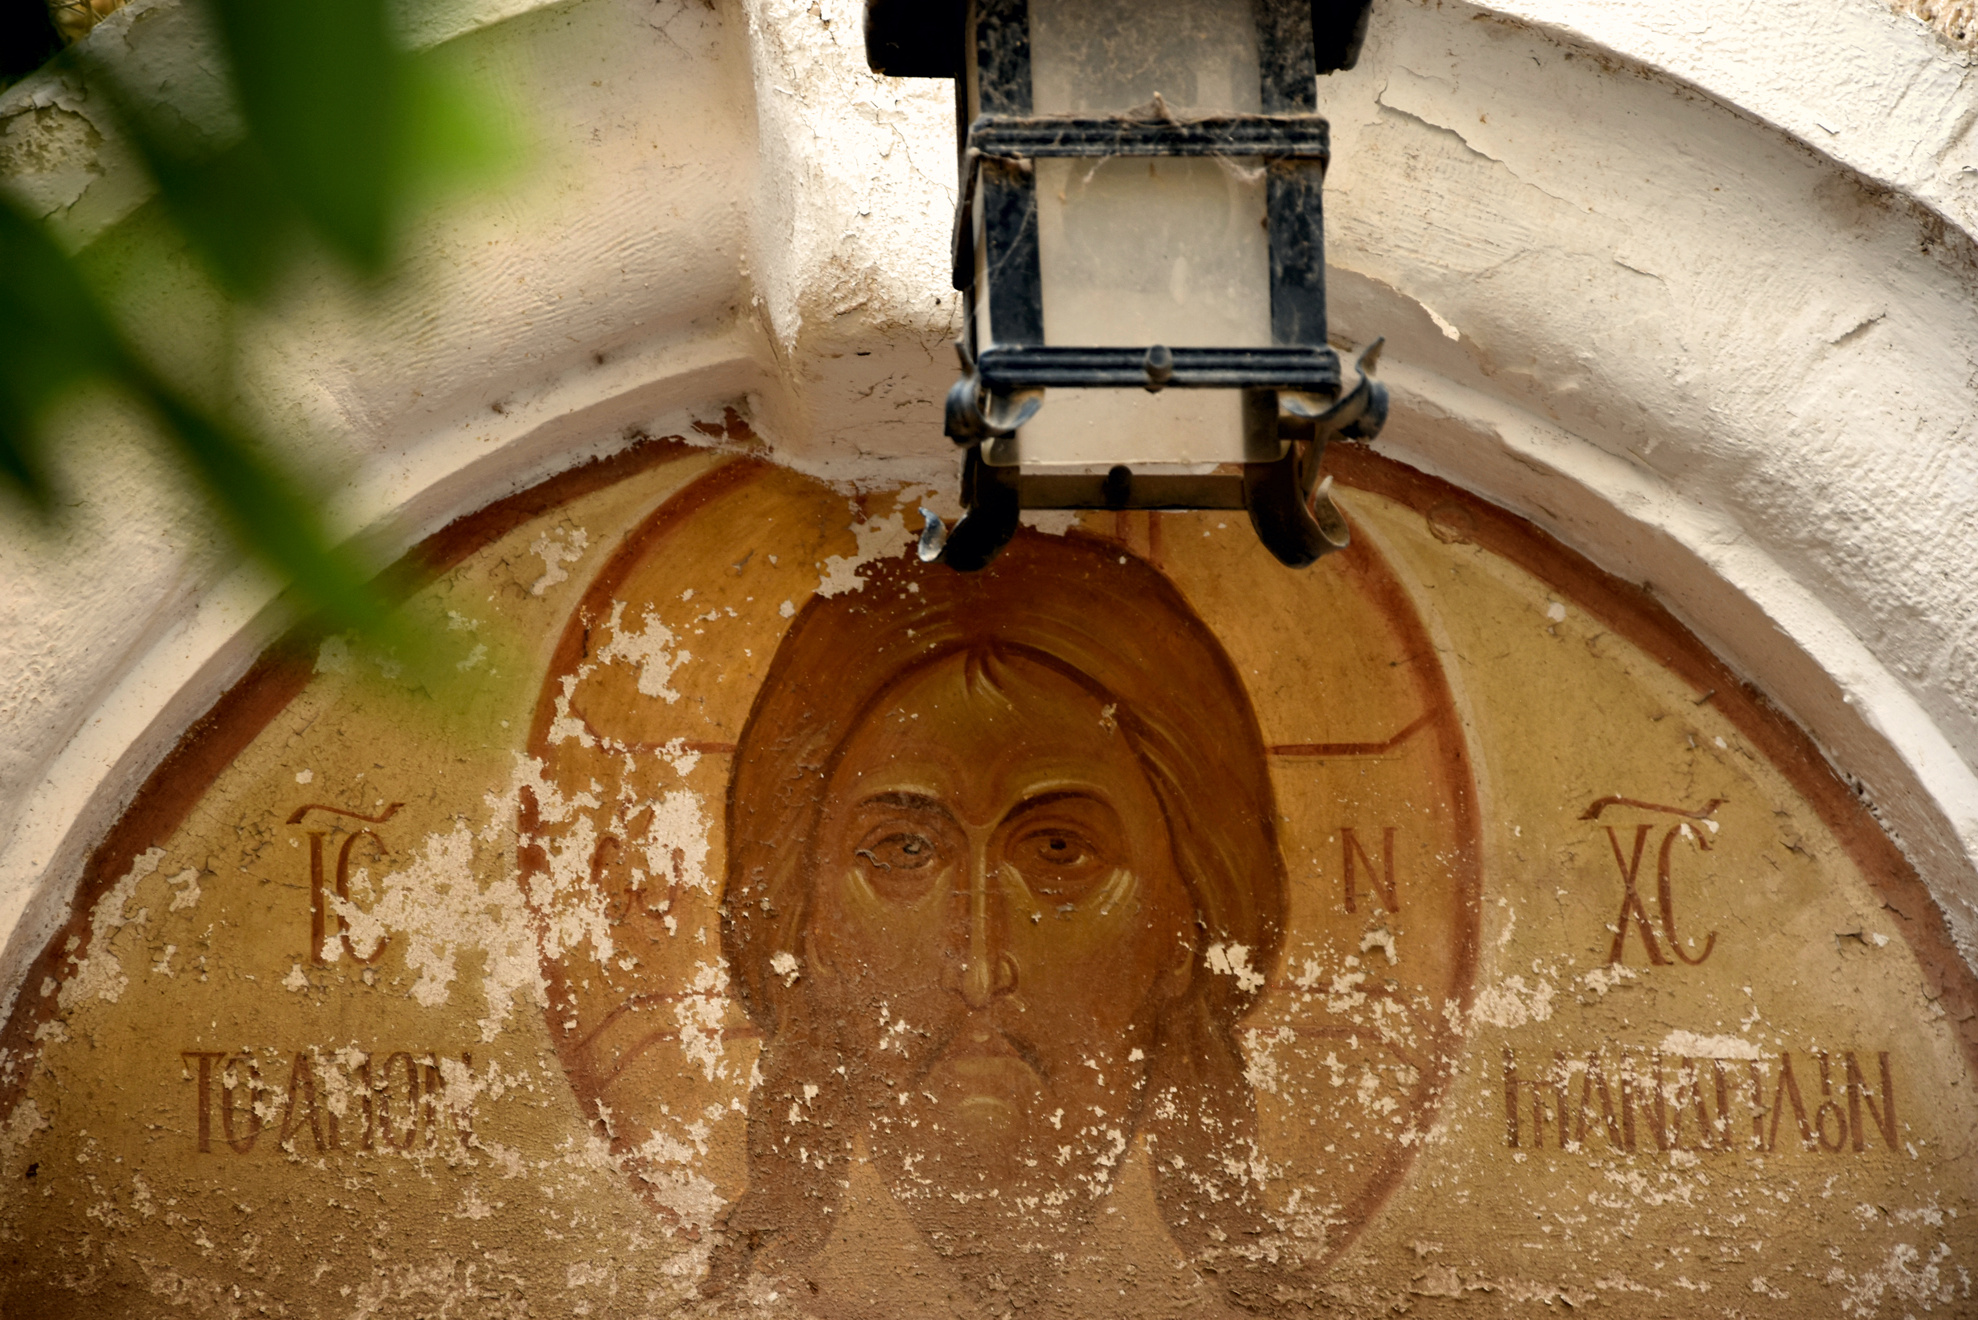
<point>466,1104</point>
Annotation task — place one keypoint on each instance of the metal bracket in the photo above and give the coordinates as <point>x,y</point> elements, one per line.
<point>1358,414</point>
<point>974,414</point>
<point>1290,503</point>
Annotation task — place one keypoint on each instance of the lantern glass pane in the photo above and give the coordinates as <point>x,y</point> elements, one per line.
<point>1136,250</point>
<point>1113,56</point>
<point>1092,428</point>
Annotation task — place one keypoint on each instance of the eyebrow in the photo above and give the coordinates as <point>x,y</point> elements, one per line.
<point>905,800</point>
<point>1062,795</point>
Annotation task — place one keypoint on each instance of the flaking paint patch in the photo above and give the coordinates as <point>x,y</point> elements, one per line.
<point>651,649</point>
<point>555,549</point>
<point>1602,979</point>
<point>24,1122</point>
<point>188,896</point>
<point>1906,1275</point>
<point>877,537</point>
<point>572,909</point>
<point>1234,960</point>
<point>1689,1045</point>
<point>438,908</point>
<point>701,1012</point>
<point>99,973</point>
<point>675,839</point>
<point>1511,1003</point>
<point>565,727</point>
<point>1261,1065</point>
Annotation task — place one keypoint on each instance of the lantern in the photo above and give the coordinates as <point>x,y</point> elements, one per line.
<point>1139,243</point>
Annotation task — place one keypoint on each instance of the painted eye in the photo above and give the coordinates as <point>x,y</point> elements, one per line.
<point>903,851</point>
<point>1058,848</point>
<point>1060,865</point>
<point>897,863</point>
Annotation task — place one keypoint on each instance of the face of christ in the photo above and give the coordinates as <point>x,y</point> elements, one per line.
<point>997,922</point>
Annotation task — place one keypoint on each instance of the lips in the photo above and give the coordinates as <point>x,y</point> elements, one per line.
<point>980,1042</point>
<point>978,1051</point>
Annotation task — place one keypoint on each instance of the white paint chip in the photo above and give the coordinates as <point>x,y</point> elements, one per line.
<point>649,648</point>
<point>1511,1003</point>
<point>1051,522</point>
<point>100,974</point>
<point>876,537</point>
<point>556,551</point>
<point>333,656</point>
<point>187,883</point>
<point>1689,1045</point>
<point>1234,960</point>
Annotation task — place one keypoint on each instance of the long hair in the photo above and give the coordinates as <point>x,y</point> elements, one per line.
<point>1117,627</point>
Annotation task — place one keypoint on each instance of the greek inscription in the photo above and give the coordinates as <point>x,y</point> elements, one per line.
<point>1627,861</point>
<point>1626,1100</point>
<point>326,923</point>
<point>1382,879</point>
<point>330,1103</point>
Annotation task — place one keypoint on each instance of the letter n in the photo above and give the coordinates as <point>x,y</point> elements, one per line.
<point>1657,1108</point>
<point>1884,1114</point>
<point>302,1091</point>
<point>1788,1088</point>
<point>1596,1075</point>
<point>1383,879</point>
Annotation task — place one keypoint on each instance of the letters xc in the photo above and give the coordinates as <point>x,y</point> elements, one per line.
<point>1628,861</point>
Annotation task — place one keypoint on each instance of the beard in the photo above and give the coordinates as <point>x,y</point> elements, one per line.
<point>1000,1159</point>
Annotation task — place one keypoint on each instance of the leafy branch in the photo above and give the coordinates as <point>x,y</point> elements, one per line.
<point>339,131</point>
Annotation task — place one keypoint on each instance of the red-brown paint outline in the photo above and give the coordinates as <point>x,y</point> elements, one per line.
<point>1375,578</point>
<point>213,741</point>
<point>1632,612</point>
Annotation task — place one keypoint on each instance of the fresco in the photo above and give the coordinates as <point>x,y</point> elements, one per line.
<point>761,921</point>
<point>1000,894</point>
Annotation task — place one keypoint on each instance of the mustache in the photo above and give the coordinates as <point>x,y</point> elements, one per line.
<point>942,1041</point>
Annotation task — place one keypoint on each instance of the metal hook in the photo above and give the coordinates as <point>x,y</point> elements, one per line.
<point>973,416</point>
<point>1358,414</point>
<point>933,537</point>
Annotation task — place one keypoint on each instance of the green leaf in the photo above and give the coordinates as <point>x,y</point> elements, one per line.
<point>323,87</point>
<point>22,467</point>
<point>456,131</point>
<point>270,513</point>
<point>224,196</point>
<point>54,339</point>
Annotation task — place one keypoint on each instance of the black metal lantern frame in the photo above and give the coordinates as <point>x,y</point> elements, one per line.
<point>1292,401</point>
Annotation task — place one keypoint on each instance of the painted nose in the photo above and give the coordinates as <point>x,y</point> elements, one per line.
<point>987,969</point>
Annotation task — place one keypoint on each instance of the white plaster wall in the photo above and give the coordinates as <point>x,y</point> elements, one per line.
<point>1691,286</point>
